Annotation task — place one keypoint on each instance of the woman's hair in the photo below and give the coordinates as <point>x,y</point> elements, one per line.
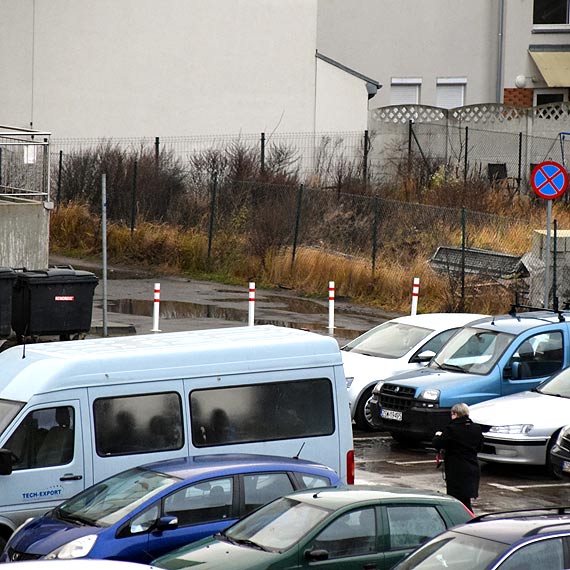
<point>460,410</point>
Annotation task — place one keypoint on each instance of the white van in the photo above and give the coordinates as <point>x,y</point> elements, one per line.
<point>73,413</point>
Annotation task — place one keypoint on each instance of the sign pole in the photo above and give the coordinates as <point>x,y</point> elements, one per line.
<point>547,255</point>
<point>549,180</point>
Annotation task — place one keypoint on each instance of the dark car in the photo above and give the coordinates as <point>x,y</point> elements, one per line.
<point>516,540</point>
<point>345,527</point>
<point>560,454</point>
<point>147,511</point>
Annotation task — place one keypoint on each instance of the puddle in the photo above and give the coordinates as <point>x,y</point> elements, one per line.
<point>188,310</point>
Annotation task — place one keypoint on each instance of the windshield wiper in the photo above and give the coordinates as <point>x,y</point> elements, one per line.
<point>247,542</point>
<point>74,519</point>
<point>455,367</point>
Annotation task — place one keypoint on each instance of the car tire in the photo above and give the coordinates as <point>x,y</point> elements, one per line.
<point>363,414</point>
<point>550,445</point>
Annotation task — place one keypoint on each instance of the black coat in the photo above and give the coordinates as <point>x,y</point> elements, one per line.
<point>461,439</point>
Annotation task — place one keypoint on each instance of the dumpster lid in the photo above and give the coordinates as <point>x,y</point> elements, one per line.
<point>57,273</point>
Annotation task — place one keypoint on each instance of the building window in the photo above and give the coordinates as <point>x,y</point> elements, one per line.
<point>450,92</point>
<point>545,96</point>
<point>405,90</point>
<point>550,12</point>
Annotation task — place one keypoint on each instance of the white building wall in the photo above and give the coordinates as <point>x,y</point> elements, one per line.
<point>340,98</point>
<point>414,38</point>
<point>110,68</point>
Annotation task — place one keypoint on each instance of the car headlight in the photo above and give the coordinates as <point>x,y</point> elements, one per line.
<point>349,381</point>
<point>377,388</point>
<point>430,394</point>
<point>514,428</point>
<point>74,549</point>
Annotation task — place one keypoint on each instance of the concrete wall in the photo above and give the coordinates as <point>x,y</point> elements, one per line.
<point>412,38</point>
<point>24,235</point>
<point>337,93</point>
<point>134,68</point>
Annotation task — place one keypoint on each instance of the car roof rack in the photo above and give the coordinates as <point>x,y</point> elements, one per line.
<point>515,306</point>
<point>538,511</point>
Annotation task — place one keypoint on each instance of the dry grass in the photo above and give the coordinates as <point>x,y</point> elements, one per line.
<point>175,250</point>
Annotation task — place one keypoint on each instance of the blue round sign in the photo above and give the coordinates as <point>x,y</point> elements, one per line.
<point>549,180</point>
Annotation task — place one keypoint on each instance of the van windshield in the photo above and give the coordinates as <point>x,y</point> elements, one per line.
<point>8,411</point>
<point>472,350</point>
<point>109,501</point>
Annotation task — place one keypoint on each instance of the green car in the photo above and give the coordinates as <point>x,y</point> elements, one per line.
<point>336,527</point>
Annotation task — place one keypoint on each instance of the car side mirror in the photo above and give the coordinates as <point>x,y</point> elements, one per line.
<point>166,523</point>
<point>316,555</point>
<point>424,357</point>
<point>513,371</point>
<point>6,461</point>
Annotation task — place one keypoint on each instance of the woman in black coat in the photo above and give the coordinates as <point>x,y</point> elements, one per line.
<point>461,439</point>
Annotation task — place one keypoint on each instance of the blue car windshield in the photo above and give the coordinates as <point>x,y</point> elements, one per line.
<point>109,501</point>
<point>388,340</point>
<point>277,526</point>
<point>8,411</point>
<point>472,350</point>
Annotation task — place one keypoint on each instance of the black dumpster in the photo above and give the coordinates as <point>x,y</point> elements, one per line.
<point>7,278</point>
<point>53,302</point>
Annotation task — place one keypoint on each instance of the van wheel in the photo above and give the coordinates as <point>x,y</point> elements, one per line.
<point>363,413</point>
<point>4,535</point>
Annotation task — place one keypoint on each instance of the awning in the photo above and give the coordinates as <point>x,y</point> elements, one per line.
<point>553,62</point>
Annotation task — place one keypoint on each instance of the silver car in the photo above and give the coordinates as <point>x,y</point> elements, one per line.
<point>521,428</point>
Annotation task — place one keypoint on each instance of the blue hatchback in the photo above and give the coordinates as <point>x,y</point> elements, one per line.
<point>142,513</point>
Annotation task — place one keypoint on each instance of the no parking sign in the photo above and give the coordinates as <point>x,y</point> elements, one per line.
<point>549,180</point>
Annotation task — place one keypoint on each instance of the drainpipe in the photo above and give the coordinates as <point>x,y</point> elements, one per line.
<point>501,52</point>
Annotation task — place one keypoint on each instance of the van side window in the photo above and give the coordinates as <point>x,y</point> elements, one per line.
<point>261,412</point>
<point>138,424</point>
<point>539,355</point>
<point>44,438</point>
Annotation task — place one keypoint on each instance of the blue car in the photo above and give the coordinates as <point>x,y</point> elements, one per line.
<point>142,513</point>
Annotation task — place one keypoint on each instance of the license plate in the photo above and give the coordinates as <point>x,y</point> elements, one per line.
<point>566,466</point>
<point>391,415</point>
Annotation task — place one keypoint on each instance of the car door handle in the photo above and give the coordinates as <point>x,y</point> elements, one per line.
<point>370,566</point>
<point>71,477</point>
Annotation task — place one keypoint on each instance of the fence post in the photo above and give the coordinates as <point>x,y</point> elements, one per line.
<point>156,152</point>
<point>134,196</point>
<point>331,308</point>
<point>297,224</point>
<point>104,247</point>
<point>374,235</point>
<point>409,147</point>
<point>262,153</point>
<point>212,214</point>
<point>465,167</point>
<point>59,169</point>
<point>156,308</point>
<point>554,256</point>
<point>251,305</point>
<point>463,245</point>
<point>415,296</point>
<point>519,174</point>
<point>365,158</point>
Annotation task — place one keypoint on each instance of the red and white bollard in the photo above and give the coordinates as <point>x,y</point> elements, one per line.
<point>331,307</point>
<point>415,295</point>
<point>251,312</point>
<point>156,308</point>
